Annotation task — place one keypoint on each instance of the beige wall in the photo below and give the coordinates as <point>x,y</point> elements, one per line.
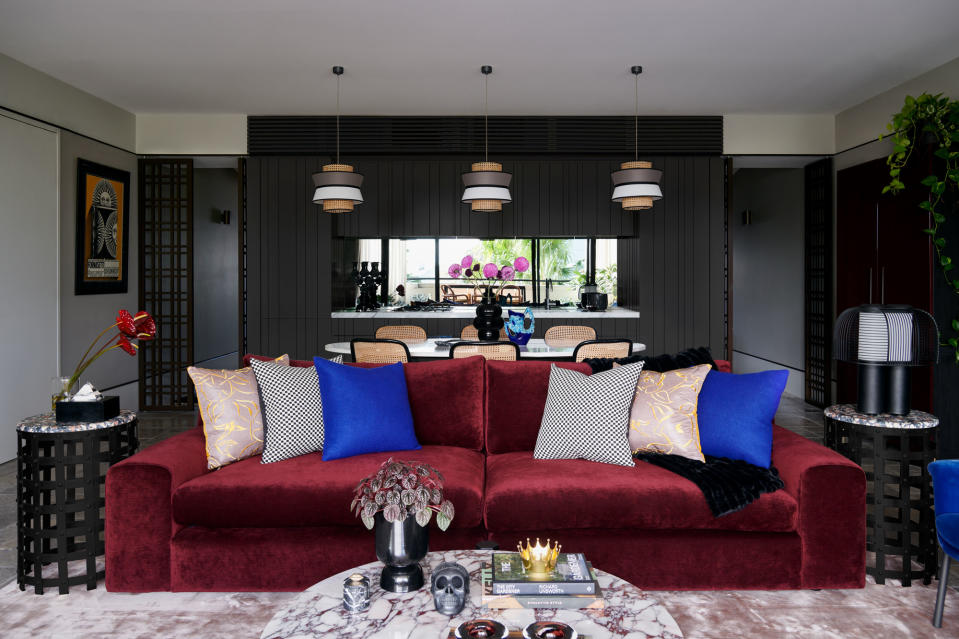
<point>778,134</point>
<point>41,96</point>
<point>83,316</point>
<point>866,121</point>
<point>191,134</point>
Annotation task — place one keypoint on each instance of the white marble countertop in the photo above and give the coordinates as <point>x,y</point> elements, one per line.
<point>466,312</point>
<point>536,348</point>
<point>318,611</point>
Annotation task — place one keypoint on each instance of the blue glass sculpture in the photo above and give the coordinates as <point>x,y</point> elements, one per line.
<point>519,327</point>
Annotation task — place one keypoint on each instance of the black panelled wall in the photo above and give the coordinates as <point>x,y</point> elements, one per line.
<point>671,258</point>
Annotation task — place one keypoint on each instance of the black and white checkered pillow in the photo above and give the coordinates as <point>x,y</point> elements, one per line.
<point>587,416</point>
<point>292,409</point>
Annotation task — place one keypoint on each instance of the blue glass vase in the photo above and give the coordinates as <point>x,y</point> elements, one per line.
<point>519,326</point>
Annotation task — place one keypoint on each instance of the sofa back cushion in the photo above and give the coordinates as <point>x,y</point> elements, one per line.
<point>515,399</point>
<point>446,398</point>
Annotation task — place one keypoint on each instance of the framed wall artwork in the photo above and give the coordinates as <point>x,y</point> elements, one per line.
<point>103,216</point>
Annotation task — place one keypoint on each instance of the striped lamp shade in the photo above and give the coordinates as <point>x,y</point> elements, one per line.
<point>888,334</point>
<point>337,188</point>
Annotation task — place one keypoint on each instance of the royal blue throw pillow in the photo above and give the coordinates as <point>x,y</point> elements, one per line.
<point>736,414</point>
<point>365,410</point>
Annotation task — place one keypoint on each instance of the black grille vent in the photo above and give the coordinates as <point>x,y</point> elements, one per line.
<point>508,135</point>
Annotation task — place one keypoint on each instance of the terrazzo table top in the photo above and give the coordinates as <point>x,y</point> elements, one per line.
<point>318,610</point>
<point>915,419</point>
<point>47,423</point>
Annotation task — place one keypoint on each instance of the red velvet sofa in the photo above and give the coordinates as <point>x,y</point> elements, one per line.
<point>171,524</point>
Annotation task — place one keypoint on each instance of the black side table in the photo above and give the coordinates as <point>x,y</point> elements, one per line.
<point>894,451</point>
<point>61,472</point>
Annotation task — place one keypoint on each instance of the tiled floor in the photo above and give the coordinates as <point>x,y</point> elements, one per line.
<point>794,414</point>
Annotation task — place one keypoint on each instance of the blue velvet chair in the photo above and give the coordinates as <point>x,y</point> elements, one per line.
<point>945,484</point>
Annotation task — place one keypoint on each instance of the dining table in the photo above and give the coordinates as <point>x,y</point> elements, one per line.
<point>436,347</point>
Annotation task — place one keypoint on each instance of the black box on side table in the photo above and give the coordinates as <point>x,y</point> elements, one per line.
<point>100,411</point>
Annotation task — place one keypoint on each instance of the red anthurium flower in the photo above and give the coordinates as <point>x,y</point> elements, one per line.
<point>146,328</point>
<point>126,323</point>
<point>127,345</point>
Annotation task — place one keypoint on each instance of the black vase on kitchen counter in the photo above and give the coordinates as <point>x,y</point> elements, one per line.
<point>489,318</point>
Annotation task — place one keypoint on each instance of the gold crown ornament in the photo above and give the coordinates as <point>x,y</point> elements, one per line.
<point>539,561</point>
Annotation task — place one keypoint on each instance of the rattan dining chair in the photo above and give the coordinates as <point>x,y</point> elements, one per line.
<point>469,334</point>
<point>378,351</point>
<point>565,336</point>
<point>603,349</point>
<point>404,333</point>
<point>500,351</point>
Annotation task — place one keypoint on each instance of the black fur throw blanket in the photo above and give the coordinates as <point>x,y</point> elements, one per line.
<point>659,363</point>
<point>728,484</point>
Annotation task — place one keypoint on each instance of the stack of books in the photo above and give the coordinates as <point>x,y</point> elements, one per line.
<point>571,585</point>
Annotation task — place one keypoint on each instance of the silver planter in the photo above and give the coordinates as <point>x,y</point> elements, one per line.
<point>400,545</point>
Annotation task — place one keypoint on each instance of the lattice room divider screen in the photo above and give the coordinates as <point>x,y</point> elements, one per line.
<point>166,281</point>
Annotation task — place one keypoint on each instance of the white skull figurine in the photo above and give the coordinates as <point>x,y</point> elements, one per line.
<point>450,584</point>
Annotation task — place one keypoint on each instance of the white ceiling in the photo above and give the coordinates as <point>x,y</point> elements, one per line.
<point>423,56</point>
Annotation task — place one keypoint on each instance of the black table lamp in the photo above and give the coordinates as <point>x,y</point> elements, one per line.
<point>885,340</point>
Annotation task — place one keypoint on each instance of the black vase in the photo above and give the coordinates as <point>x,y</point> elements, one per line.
<point>488,320</point>
<point>400,545</point>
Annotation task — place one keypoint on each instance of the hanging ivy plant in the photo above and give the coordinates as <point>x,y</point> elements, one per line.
<point>935,118</point>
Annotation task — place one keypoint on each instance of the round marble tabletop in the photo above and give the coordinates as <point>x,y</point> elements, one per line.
<point>536,348</point>
<point>916,419</point>
<point>47,423</point>
<point>318,610</point>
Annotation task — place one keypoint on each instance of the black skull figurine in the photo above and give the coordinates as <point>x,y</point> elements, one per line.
<point>450,584</point>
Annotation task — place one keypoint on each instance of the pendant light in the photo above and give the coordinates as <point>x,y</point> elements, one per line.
<point>337,186</point>
<point>636,184</point>
<point>486,185</point>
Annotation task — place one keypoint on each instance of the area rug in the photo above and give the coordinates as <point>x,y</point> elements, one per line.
<point>874,612</point>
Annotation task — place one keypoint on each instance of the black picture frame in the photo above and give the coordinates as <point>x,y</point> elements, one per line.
<point>102,229</point>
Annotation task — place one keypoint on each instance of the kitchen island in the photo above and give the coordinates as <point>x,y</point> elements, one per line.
<point>613,322</point>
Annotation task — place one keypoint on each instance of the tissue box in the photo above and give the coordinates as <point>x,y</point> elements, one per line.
<point>89,411</point>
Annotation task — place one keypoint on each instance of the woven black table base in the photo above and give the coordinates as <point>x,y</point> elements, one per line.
<point>60,483</point>
<point>900,520</point>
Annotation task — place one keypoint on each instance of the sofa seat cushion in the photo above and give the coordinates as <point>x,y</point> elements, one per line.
<point>307,491</point>
<point>523,493</point>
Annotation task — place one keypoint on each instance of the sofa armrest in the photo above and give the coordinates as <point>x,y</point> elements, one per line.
<point>831,493</point>
<point>139,522</point>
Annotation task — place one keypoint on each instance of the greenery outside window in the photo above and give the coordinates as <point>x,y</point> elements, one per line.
<point>421,266</point>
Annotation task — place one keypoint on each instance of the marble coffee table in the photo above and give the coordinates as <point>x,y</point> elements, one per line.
<point>318,610</point>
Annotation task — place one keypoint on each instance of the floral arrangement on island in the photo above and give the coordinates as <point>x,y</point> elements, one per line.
<point>490,272</point>
<point>131,329</point>
<point>401,489</point>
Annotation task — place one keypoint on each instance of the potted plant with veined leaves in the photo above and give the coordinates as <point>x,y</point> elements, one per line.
<point>397,502</point>
<point>489,314</point>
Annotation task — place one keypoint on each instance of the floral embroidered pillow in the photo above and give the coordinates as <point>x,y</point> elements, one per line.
<point>230,407</point>
<point>663,417</point>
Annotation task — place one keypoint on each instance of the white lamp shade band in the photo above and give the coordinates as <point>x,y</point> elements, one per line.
<point>637,190</point>
<point>486,193</point>
<point>337,193</point>
<point>885,337</point>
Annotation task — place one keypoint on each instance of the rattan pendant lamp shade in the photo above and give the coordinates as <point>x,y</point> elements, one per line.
<point>337,185</point>
<point>636,184</point>
<point>486,185</point>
